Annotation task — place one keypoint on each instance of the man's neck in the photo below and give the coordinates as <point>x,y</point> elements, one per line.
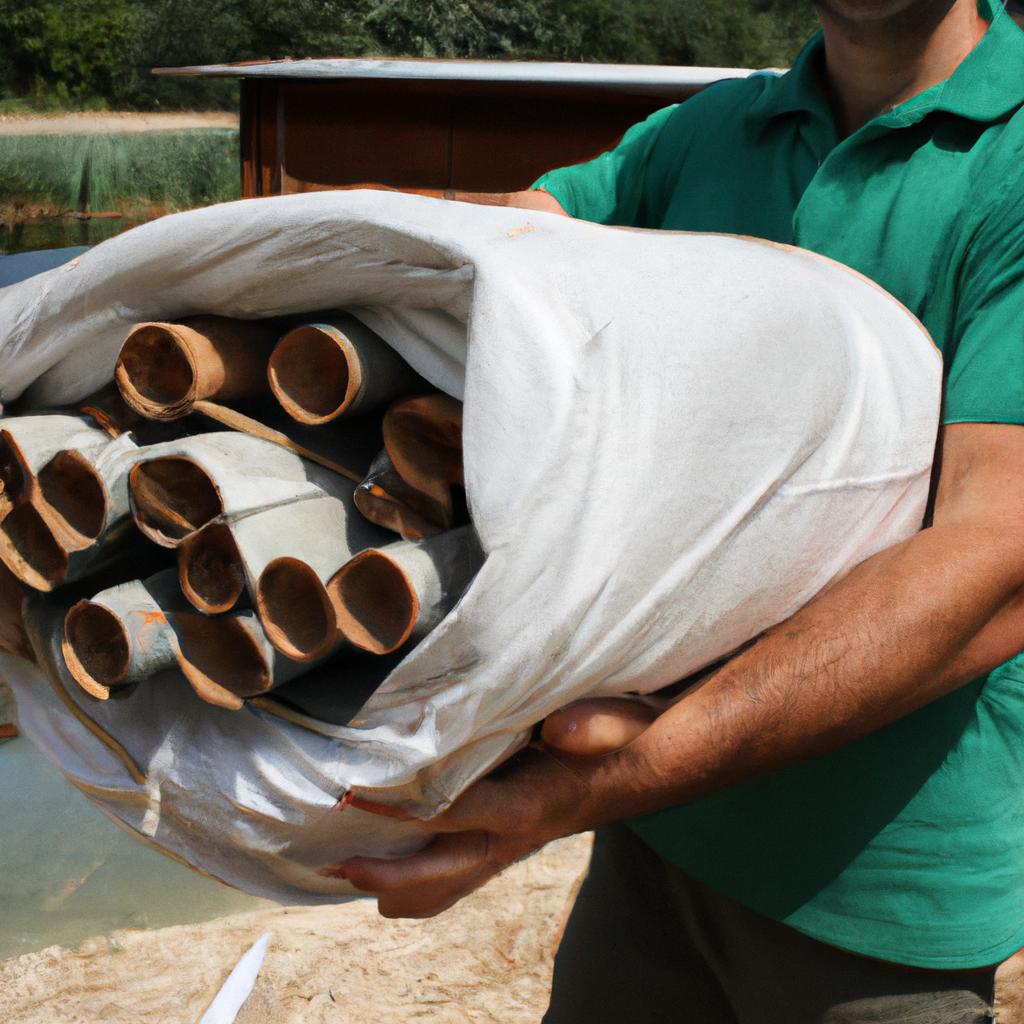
<point>873,66</point>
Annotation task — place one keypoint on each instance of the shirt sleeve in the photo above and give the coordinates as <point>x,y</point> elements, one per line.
<point>610,188</point>
<point>985,378</point>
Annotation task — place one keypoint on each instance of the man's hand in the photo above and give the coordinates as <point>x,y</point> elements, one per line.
<point>533,798</point>
<point>902,629</point>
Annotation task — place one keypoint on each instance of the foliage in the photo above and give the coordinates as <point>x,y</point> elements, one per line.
<point>67,51</point>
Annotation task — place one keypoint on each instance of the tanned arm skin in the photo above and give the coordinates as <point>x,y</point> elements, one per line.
<point>902,629</point>
<point>529,199</point>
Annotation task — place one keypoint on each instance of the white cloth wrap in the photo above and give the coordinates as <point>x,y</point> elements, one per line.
<point>672,442</point>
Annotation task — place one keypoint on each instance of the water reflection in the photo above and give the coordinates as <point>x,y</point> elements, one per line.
<point>67,872</point>
<point>58,232</point>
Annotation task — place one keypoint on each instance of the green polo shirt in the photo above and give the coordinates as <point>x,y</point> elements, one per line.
<point>909,844</point>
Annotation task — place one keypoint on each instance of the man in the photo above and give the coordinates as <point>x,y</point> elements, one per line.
<point>832,823</point>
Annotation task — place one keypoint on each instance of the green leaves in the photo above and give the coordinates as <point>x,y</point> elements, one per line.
<point>60,50</point>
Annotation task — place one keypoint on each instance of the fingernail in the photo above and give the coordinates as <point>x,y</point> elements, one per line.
<point>344,801</point>
<point>333,873</point>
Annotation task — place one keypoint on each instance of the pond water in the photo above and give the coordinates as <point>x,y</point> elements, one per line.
<point>58,232</point>
<point>67,872</point>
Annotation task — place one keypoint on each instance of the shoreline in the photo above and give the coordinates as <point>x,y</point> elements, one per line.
<point>486,961</point>
<point>89,122</point>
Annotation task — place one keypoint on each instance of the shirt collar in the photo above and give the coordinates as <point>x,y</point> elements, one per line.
<point>987,85</point>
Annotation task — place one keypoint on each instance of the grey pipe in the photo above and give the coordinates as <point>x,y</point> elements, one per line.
<point>386,597</point>
<point>137,630</point>
<point>165,368</point>
<point>336,367</point>
<point>201,478</point>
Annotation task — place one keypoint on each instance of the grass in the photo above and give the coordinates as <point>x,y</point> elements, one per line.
<point>27,106</point>
<point>172,170</point>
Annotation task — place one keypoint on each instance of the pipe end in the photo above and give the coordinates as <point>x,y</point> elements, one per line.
<point>296,610</point>
<point>376,603</point>
<point>315,373</point>
<point>156,373</point>
<point>96,647</point>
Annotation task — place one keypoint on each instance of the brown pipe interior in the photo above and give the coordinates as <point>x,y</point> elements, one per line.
<point>75,492</point>
<point>13,639</point>
<point>210,569</point>
<point>97,648</point>
<point>295,609</point>
<point>221,654</point>
<point>311,375</point>
<point>29,549</point>
<point>424,435</point>
<point>155,366</point>
<point>14,479</point>
<point>376,604</point>
<point>173,497</point>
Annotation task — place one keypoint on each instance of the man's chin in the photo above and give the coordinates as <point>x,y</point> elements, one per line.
<point>868,12</point>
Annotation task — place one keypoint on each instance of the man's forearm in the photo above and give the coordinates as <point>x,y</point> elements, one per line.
<point>902,629</point>
<point>527,199</point>
<point>531,199</point>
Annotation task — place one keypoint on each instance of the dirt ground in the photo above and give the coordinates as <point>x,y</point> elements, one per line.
<point>486,961</point>
<point>89,123</point>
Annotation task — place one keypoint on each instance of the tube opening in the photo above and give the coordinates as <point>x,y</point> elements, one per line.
<point>221,659</point>
<point>29,549</point>
<point>96,648</point>
<point>13,639</point>
<point>14,475</point>
<point>74,491</point>
<point>314,374</point>
<point>154,371</point>
<point>295,610</point>
<point>172,497</point>
<point>210,569</point>
<point>376,604</point>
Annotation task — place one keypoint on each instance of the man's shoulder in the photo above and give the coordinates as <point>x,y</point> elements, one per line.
<point>727,98</point>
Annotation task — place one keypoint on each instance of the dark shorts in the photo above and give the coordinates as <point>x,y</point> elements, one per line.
<point>646,944</point>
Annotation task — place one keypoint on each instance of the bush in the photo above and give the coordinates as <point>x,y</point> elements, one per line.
<point>68,51</point>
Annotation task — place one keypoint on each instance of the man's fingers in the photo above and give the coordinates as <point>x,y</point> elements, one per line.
<point>590,728</point>
<point>445,859</point>
<point>427,882</point>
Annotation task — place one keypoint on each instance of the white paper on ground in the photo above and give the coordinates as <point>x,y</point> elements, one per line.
<point>672,442</point>
<point>237,989</point>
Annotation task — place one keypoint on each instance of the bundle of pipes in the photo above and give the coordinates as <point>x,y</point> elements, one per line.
<point>285,555</point>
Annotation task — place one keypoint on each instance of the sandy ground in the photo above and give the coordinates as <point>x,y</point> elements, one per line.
<point>486,961</point>
<point>106,123</point>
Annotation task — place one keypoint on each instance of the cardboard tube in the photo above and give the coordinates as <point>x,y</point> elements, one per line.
<point>28,443</point>
<point>197,479</point>
<point>136,630</point>
<point>385,597</point>
<point>13,638</point>
<point>164,368</point>
<point>210,569</point>
<point>29,549</point>
<point>296,610</point>
<point>172,497</point>
<point>76,499</point>
<point>121,636</point>
<point>223,658</point>
<point>386,499</point>
<point>423,438</point>
<point>336,367</point>
<point>230,555</point>
<point>289,555</point>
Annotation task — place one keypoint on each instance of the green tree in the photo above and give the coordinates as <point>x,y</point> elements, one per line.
<point>104,48</point>
<point>72,48</point>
